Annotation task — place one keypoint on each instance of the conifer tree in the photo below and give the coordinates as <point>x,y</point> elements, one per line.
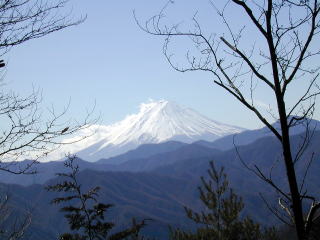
<point>85,215</point>
<point>221,220</point>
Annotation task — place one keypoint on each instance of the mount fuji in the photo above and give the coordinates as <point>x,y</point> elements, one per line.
<point>156,122</point>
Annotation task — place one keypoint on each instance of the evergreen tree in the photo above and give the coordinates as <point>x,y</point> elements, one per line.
<point>85,215</point>
<point>221,220</point>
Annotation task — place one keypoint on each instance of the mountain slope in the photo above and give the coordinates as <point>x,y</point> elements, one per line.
<point>140,195</point>
<point>190,151</point>
<point>144,151</point>
<point>161,193</point>
<point>156,122</point>
<point>249,136</point>
<point>152,156</point>
<point>266,154</point>
<point>144,158</point>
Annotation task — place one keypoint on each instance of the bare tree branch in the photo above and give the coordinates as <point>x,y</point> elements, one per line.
<point>286,55</point>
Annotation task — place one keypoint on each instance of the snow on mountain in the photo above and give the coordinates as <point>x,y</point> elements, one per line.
<point>157,121</point>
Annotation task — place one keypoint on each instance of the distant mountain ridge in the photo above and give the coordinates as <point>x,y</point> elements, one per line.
<point>249,136</point>
<point>161,192</point>
<point>149,157</point>
<point>143,151</point>
<point>156,122</point>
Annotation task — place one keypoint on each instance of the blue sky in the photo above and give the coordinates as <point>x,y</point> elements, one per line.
<point>110,62</point>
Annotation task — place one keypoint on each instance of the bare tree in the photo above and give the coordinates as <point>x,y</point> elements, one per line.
<point>24,134</point>
<point>284,54</point>
<point>23,20</point>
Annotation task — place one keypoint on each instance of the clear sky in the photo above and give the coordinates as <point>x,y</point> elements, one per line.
<point>110,62</point>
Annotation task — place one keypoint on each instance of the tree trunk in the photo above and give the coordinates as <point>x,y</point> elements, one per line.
<point>291,175</point>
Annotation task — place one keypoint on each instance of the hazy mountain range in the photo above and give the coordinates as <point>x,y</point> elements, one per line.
<point>160,191</point>
<point>155,180</point>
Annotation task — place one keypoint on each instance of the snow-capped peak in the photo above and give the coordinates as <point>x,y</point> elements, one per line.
<point>156,121</point>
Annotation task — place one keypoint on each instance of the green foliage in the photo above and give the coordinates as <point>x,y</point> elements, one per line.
<point>221,220</point>
<point>85,215</point>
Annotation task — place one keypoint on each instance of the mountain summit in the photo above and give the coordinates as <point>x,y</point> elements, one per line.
<point>157,121</point>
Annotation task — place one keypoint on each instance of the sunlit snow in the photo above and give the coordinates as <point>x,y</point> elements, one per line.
<point>157,121</point>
